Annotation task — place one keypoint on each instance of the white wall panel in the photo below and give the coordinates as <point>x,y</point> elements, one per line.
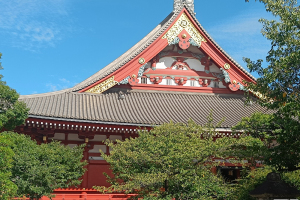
<point>99,138</point>
<point>165,62</point>
<point>74,137</point>
<point>97,148</point>
<point>115,137</point>
<point>195,64</point>
<point>72,145</point>
<point>58,136</point>
<point>214,68</point>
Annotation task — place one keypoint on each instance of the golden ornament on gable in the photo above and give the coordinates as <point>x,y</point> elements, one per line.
<point>226,66</point>
<point>105,85</point>
<point>184,23</point>
<point>142,61</point>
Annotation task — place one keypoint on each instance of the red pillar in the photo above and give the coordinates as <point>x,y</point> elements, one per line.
<point>214,170</point>
<point>85,176</point>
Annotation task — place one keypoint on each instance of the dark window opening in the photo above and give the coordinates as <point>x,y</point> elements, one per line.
<point>230,174</point>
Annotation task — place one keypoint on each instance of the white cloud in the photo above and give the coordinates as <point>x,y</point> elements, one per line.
<point>240,37</point>
<point>51,87</point>
<point>61,85</point>
<point>33,24</point>
<point>64,80</point>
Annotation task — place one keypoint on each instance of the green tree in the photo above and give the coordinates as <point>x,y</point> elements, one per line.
<point>39,169</point>
<point>278,89</point>
<point>7,187</point>
<point>279,86</point>
<point>173,160</point>
<point>12,111</point>
<point>252,178</point>
<point>26,168</point>
<point>280,136</point>
<point>280,81</point>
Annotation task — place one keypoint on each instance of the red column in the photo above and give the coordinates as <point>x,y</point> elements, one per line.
<point>214,170</point>
<point>85,176</point>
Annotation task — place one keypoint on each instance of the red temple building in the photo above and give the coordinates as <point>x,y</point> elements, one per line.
<point>177,72</point>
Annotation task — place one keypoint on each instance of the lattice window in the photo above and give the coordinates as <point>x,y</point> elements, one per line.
<point>192,83</point>
<point>168,81</point>
<point>216,84</point>
<point>144,80</point>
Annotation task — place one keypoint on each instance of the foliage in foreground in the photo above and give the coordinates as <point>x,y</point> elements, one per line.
<point>173,160</point>
<point>280,137</point>
<point>7,187</point>
<point>280,80</point>
<point>279,83</point>
<point>12,111</point>
<point>252,178</point>
<point>278,86</point>
<point>37,170</point>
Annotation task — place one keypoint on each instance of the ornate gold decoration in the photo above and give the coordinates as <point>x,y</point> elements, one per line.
<point>105,85</point>
<point>183,36</point>
<point>133,76</point>
<point>142,61</point>
<point>226,66</point>
<point>184,23</point>
<point>234,81</point>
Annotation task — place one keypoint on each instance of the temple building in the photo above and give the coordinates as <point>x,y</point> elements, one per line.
<point>177,72</point>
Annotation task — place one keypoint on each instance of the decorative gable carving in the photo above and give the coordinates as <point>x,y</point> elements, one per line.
<point>186,63</point>
<point>184,23</point>
<point>180,64</point>
<point>105,85</point>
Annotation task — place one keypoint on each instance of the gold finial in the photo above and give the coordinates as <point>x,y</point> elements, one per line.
<point>142,61</point>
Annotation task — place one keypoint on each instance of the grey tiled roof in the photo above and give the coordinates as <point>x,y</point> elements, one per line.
<point>142,45</point>
<point>140,107</point>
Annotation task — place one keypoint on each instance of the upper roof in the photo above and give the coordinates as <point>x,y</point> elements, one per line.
<point>156,33</point>
<point>143,107</point>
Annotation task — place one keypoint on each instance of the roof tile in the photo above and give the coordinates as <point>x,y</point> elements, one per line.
<point>140,107</point>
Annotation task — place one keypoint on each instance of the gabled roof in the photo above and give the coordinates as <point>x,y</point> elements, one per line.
<point>144,107</point>
<point>156,33</point>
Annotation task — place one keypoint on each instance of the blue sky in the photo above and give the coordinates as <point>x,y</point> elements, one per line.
<point>50,45</point>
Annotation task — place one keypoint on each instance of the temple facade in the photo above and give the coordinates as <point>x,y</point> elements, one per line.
<point>177,72</point>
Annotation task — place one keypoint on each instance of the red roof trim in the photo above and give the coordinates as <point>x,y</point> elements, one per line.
<point>159,44</point>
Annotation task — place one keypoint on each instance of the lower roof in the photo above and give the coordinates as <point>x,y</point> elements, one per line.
<point>141,107</point>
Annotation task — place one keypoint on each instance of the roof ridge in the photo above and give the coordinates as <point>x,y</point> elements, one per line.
<point>45,94</point>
